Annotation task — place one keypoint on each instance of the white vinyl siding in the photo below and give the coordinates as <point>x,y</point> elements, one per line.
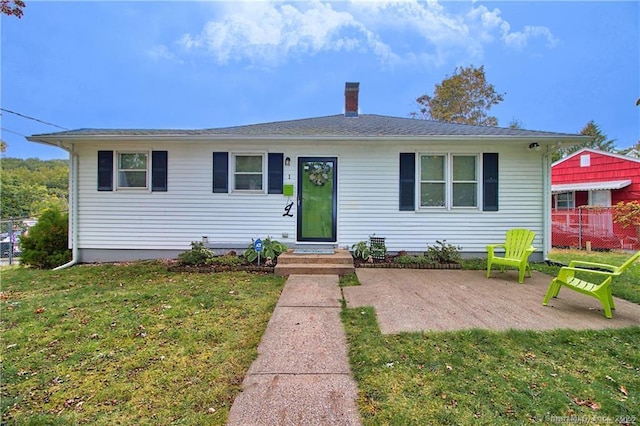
<point>368,188</point>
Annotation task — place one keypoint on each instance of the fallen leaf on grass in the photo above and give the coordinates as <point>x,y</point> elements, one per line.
<point>39,310</point>
<point>623,389</point>
<point>587,403</point>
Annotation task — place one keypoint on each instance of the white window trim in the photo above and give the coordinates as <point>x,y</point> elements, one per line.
<point>449,181</point>
<point>476,181</point>
<point>232,172</point>
<point>420,181</point>
<point>573,200</point>
<point>116,169</point>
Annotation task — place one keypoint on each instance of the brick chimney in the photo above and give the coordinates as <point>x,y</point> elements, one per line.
<point>351,99</point>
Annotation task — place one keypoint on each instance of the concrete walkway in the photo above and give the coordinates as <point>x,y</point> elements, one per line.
<point>302,374</point>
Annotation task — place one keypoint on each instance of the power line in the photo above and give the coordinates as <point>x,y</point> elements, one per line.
<point>11,131</point>
<point>33,118</point>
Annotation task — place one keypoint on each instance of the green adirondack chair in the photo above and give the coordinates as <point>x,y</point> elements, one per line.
<point>517,249</point>
<point>602,291</point>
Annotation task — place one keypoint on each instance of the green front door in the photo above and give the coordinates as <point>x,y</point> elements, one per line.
<point>317,199</point>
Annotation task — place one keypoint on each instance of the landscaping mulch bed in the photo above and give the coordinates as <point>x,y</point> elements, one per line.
<point>217,268</point>
<point>175,266</point>
<point>390,262</point>
<point>392,265</point>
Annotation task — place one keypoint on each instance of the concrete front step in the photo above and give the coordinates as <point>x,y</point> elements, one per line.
<point>313,269</point>
<point>338,263</point>
<point>338,257</point>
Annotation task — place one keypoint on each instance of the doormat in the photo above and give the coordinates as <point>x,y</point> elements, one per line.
<point>313,251</point>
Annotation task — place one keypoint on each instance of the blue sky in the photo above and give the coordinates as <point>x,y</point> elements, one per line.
<point>176,64</point>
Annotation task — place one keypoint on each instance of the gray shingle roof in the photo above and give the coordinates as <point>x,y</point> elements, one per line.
<point>365,125</point>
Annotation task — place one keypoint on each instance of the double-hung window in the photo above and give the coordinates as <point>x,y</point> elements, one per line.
<point>248,172</point>
<point>433,182</point>
<point>133,170</point>
<point>448,180</point>
<point>464,181</point>
<point>565,200</point>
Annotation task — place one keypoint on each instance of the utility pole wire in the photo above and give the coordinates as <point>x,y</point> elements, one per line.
<point>33,118</point>
<point>11,131</point>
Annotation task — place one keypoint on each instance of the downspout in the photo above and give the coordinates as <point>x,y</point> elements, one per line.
<point>546,202</point>
<point>73,207</point>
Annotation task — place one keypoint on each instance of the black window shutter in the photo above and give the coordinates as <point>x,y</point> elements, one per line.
<point>220,172</point>
<point>105,170</point>
<point>159,170</point>
<point>490,182</point>
<point>276,170</point>
<point>407,181</point>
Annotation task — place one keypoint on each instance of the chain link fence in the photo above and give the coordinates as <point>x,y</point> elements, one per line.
<point>591,227</point>
<point>10,232</point>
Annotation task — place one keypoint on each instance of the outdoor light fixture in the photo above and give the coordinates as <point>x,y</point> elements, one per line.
<point>287,161</point>
<point>535,146</point>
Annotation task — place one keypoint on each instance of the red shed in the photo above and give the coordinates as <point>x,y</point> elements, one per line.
<point>594,178</point>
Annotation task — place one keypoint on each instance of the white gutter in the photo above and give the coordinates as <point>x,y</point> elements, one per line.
<point>73,206</point>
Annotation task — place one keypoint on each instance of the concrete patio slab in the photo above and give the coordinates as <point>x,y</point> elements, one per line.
<point>296,400</point>
<point>439,300</point>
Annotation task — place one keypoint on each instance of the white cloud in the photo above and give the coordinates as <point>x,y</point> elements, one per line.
<point>521,38</point>
<point>160,52</point>
<point>396,32</point>
<point>490,23</point>
<point>270,31</point>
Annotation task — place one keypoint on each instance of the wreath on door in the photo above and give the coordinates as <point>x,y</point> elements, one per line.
<point>319,173</point>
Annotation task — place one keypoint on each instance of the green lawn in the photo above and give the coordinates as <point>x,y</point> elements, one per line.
<point>492,378</point>
<point>135,344</point>
<point>128,344</point>
<point>627,286</point>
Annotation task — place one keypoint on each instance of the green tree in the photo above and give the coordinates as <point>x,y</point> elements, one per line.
<point>27,187</point>
<point>632,151</point>
<point>598,141</point>
<point>12,7</point>
<point>45,244</point>
<point>516,124</point>
<point>465,97</point>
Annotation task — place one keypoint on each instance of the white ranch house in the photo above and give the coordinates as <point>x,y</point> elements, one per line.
<point>335,180</point>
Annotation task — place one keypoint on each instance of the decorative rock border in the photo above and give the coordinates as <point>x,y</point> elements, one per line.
<point>221,268</point>
<point>409,265</point>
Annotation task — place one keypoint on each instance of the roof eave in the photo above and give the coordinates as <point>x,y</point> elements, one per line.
<point>57,140</point>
